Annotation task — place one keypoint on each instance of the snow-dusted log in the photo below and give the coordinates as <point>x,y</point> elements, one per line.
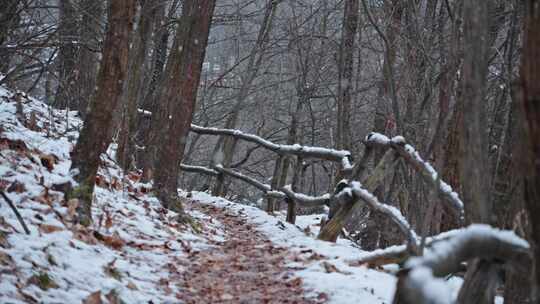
<point>359,192</point>
<point>413,158</point>
<point>445,257</point>
<point>341,156</point>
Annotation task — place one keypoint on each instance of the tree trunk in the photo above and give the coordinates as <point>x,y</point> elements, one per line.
<point>9,19</point>
<point>181,81</point>
<point>345,79</point>
<point>68,71</point>
<point>94,137</point>
<point>530,84</point>
<point>133,87</point>
<point>92,12</point>
<point>479,281</point>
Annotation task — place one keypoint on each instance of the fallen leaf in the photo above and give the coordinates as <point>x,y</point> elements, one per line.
<point>93,298</point>
<point>72,205</point>
<point>48,161</point>
<point>16,187</point>
<point>49,228</point>
<point>132,286</point>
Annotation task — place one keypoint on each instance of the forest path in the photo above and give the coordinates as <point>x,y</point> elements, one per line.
<point>244,268</point>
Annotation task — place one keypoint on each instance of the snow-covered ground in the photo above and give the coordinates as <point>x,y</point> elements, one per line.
<point>134,245</point>
<point>324,266</point>
<point>128,252</point>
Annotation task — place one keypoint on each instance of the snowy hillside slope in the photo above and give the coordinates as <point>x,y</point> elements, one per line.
<point>135,247</point>
<point>127,253</point>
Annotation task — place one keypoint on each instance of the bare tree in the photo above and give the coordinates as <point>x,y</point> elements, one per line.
<point>68,70</point>
<point>178,94</point>
<point>95,135</point>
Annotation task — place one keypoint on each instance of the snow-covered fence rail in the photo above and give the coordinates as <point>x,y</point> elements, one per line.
<point>341,156</point>
<point>420,282</point>
<point>424,168</point>
<point>396,148</point>
<point>285,192</point>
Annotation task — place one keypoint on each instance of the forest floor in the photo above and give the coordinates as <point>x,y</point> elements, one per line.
<point>135,251</point>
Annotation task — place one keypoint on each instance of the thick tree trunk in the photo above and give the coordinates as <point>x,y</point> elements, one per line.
<point>133,87</point>
<point>479,281</point>
<point>67,94</point>
<point>149,128</point>
<point>181,81</point>
<point>92,12</point>
<point>530,84</point>
<point>345,79</point>
<point>94,137</point>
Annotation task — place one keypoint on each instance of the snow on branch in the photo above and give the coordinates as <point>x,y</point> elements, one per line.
<point>306,200</point>
<point>340,156</point>
<point>392,212</point>
<point>399,253</point>
<point>198,169</point>
<point>421,282</point>
<point>412,157</point>
<point>475,241</point>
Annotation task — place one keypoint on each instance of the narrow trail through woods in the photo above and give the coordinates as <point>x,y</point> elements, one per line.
<point>245,268</point>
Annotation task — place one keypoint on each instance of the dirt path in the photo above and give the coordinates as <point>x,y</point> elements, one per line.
<point>245,268</point>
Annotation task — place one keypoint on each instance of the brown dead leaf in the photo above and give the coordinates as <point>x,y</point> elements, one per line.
<point>5,259</point>
<point>49,228</point>
<point>134,176</point>
<point>16,187</point>
<point>114,241</point>
<point>83,234</point>
<point>72,205</point>
<point>116,183</point>
<point>31,123</point>
<point>132,286</point>
<point>101,181</point>
<point>108,220</point>
<point>329,268</point>
<point>48,161</point>
<point>93,298</point>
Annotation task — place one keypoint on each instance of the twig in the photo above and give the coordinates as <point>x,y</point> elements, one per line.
<point>17,214</point>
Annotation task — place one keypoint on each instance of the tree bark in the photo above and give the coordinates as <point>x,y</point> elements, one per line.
<point>92,12</point>
<point>345,79</point>
<point>67,94</point>
<point>133,87</point>
<point>181,81</point>
<point>94,137</point>
<point>530,84</point>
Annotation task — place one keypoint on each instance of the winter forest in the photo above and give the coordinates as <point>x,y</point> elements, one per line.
<point>270,151</point>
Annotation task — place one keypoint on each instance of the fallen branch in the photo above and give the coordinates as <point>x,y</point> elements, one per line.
<point>17,214</point>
